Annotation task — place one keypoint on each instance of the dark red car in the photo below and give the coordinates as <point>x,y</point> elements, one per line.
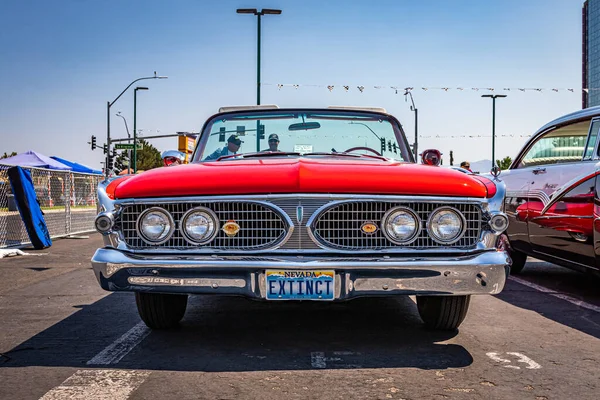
<point>552,194</point>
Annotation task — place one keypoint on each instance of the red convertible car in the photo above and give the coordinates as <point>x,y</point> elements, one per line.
<point>302,204</point>
<point>552,195</point>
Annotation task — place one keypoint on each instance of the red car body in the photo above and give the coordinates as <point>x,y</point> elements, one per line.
<point>302,224</point>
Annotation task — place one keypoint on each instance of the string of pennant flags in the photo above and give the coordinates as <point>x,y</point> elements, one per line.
<point>397,89</point>
<point>469,136</point>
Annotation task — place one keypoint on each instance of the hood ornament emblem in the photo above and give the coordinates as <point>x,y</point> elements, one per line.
<point>299,214</point>
<point>231,228</point>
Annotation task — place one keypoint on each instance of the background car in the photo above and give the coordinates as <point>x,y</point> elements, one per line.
<point>551,191</point>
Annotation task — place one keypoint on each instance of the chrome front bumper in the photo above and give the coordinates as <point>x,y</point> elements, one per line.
<point>483,273</point>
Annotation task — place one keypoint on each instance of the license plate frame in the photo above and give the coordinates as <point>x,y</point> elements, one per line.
<point>309,285</point>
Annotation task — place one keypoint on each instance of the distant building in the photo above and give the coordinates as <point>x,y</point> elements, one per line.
<point>590,18</point>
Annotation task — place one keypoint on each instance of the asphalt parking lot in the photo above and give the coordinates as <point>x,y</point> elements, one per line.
<point>64,337</point>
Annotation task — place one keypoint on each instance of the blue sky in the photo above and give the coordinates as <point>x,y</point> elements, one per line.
<point>61,61</point>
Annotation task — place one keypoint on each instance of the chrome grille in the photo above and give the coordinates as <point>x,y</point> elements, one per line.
<point>260,226</point>
<point>300,238</point>
<point>339,227</point>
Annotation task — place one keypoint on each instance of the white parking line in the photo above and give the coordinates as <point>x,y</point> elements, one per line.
<point>551,292</point>
<point>105,384</point>
<point>98,384</point>
<point>122,346</point>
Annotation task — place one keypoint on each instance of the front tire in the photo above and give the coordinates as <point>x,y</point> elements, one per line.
<point>161,311</point>
<point>443,312</point>
<point>518,261</point>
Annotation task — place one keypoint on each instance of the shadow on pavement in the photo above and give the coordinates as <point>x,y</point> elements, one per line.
<point>558,280</point>
<point>236,334</point>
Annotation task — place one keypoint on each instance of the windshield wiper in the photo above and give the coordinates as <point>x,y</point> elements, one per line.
<point>347,155</point>
<point>323,153</point>
<point>258,154</point>
<point>271,154</point>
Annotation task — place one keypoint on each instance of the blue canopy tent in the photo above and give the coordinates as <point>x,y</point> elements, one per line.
<point>77,167</point>
<point>34,159</point>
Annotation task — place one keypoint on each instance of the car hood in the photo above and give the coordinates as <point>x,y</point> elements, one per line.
<point>300,175</point>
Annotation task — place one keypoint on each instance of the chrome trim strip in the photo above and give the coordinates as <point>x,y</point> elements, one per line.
<point>301,196</point>
<point>568,186</point>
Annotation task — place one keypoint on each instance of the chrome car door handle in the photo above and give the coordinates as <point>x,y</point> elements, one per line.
<point>539,171</point>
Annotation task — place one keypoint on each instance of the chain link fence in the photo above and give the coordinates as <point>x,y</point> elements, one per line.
<point>68,200</point>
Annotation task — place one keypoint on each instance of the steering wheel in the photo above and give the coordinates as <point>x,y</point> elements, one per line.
<point>363,148</point>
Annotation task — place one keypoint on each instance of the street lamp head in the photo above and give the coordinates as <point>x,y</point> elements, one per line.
<point>159,76</point>
<point>247,11</point>
<point>141,88</point>
<point>493,96</point>
<point>270,11</point>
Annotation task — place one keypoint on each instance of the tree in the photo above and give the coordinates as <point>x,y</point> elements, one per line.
<point>5,155</point>
<point>147,158</point>
<point>504,163</point>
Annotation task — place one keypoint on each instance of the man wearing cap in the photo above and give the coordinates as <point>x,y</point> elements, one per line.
<point>233,145</point>
<point>273,142</point>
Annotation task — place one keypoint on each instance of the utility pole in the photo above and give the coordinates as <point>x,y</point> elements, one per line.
<point>494,97</point>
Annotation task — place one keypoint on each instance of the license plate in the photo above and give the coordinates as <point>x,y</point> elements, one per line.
<point>300,285</point>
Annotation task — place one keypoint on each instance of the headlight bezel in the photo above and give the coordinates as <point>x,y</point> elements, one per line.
<point>141,218</point>
<point>390,213</point>
<point>200,209</point>
<point>455,239</point>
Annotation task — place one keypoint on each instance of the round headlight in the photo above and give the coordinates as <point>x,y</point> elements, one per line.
<point>446,225</point>
<point>199,225</point>
<point>155,225</point>
<point>401,225</point>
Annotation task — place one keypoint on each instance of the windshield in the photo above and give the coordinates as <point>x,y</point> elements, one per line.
<point>234,136</point>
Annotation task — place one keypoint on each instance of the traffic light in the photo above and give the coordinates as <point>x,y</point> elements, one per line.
<point>241,130</point>
<point>222,134</point>
<point>93,142</point>
<point>390,146</point>
<point>451,158</point>
<point>395,146</point>
<point>261,131</point>
<point>382,140</point>
<point>110,162</point>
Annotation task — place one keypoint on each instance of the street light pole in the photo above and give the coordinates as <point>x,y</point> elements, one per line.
<point>494,97</point>
<point>413,108</point>
<point>135,126</point>
<point>259,14</point>
<point>109,105</point>
<point>129,136</point>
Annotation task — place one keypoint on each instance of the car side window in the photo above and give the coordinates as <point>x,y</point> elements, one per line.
<point>562,145</point>
<point>593,137</point>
